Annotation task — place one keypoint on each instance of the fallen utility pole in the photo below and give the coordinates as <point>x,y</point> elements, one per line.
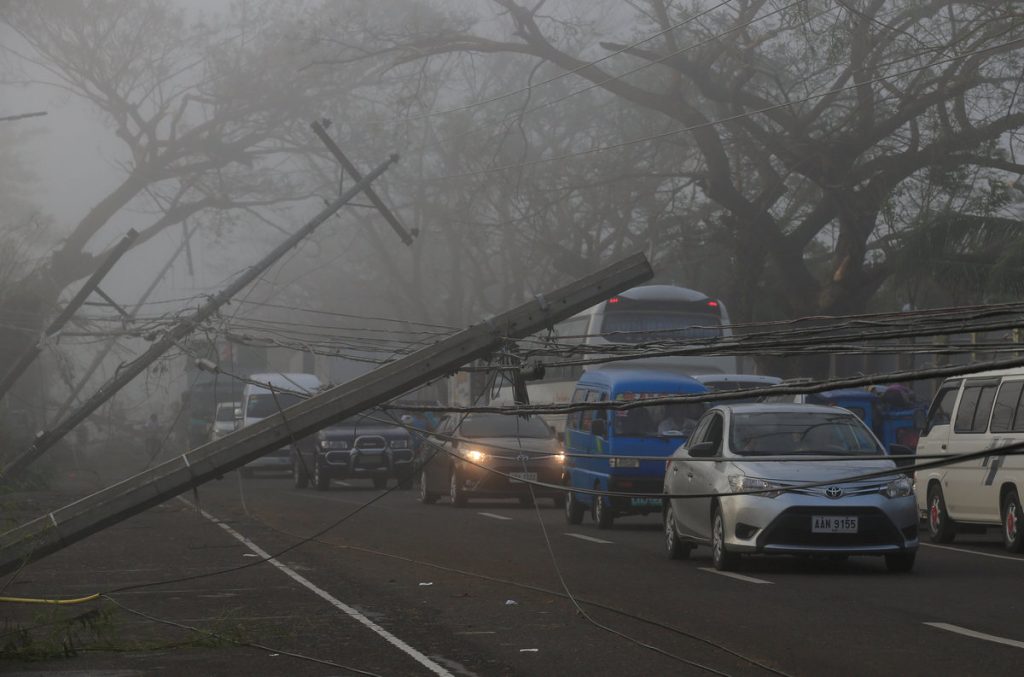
<point>180,330</point>
<point>29,356</point>
<point>109,345</point>
<point>62,527</point>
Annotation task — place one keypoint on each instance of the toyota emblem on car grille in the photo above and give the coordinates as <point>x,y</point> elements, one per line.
<point>834,492</point>
<point>522,458</point>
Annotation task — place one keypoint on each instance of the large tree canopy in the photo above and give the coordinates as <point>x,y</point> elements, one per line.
<point>803,123</point>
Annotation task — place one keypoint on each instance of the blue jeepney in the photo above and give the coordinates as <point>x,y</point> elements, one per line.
<point>617,437</point>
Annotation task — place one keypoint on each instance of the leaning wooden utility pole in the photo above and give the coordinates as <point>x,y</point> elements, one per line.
<point>179,331</point>
<point>105,350</point>
<point>62,527</point>
<point>29,356</point>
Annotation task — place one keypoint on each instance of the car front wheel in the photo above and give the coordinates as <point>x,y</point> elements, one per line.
<point>675,547</point>
<point>1013,522</point>
<point>722,558</point>
<point>426,497</point>
<point>321,480</point>
<point>300,479</point>
<point>573,509</point>
<point>602,512</point>
<point>455,491</point>
<point>941,528</point>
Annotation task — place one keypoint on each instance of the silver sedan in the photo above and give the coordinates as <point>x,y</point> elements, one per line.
<point>763,448</point>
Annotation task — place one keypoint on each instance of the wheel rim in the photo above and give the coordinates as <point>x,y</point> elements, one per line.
<point>670,531</point>
<point>717,546</point>
<point>935,515</point>
<point>598,508</point>
<point>1011,521</point>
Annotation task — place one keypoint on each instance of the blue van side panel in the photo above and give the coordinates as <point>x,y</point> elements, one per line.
<point>597,473</point>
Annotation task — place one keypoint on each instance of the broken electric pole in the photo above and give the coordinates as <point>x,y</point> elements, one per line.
<point>62,527</point>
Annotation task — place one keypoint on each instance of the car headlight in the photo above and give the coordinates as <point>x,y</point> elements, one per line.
<point>474,455</point>
<point>752,484</point>
<point>327,445</point>
<point>899,487</point>
<point>559,458</point>
<point>402,443</point>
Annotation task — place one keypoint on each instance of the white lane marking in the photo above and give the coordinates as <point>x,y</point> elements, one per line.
<point>977,635</point>
<point>477,632</point>
<point>739,577</point>
<point>333,601</point>
<point>973,552</point>
<point>343,483</point>
<point>493,516</point>
<point>589,538</point>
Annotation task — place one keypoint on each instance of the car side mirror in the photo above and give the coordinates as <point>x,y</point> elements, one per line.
<point>920,420</point>
<point>599,428</point>
<point>703,450</point>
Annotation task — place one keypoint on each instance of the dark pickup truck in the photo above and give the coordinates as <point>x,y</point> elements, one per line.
<point>361,447</point>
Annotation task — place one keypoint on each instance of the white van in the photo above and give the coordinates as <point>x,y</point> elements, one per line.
<point>260,401</point>
<point>969,414</point>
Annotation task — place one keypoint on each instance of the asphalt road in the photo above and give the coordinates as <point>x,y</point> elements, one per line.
<point>400,588</point>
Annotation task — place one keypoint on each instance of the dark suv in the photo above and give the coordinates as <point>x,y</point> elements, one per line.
<point>365,446</point>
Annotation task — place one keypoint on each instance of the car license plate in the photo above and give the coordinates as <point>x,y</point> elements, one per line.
<point>830,524</point>
<point>519,476</point>
<point>645,502</point>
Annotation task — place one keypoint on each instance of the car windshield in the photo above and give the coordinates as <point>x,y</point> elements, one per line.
<point>740,385</point>
<point>226,412</point>
<point>264,404</point>
<point>767,433</point>
<point>497,425</point>
<point>659,420</point>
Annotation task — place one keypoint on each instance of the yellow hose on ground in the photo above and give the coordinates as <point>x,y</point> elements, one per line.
<point>60,602</point>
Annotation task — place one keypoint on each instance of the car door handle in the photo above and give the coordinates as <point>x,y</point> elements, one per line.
<point>943,447</point>
<point>689,475</point>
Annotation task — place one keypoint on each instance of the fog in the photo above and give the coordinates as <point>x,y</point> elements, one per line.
<point>746,159</point>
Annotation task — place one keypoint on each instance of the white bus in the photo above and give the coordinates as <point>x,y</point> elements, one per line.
<point>638,315</point>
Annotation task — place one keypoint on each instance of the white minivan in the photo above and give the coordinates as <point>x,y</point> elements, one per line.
<point>970,414</point>
<point>260,401</point>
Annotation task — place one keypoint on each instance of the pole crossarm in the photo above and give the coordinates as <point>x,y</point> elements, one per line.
<point>375,200</point>
<point>62,527</point>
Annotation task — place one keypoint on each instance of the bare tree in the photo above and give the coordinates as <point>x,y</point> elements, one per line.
<point>808,119</point>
